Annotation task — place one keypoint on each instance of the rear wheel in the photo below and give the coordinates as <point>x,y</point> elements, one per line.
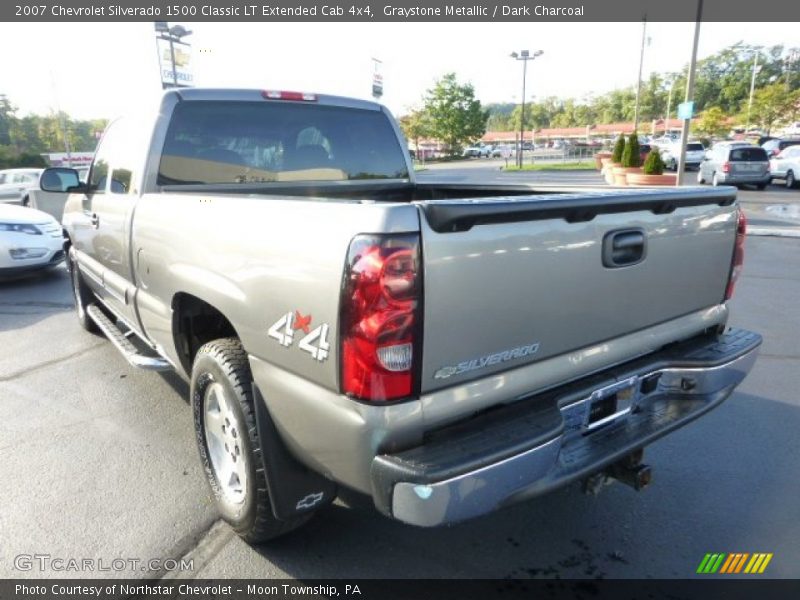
<point>790,180</point>
<point>700,177</point>
<point>761,187</point>
<point>228,441</point>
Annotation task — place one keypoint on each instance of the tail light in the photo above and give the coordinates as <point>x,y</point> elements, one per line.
<point>380,324</point>
<point>726,167</point>
<point>293,96</point>
<point>738,254</point>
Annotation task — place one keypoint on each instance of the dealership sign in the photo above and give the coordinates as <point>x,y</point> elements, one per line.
<point>181,75</point>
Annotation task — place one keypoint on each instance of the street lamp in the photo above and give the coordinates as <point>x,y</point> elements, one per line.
<point>669,106</point>
<point>752,89</point>
<point>524,56</point>
<point>173,35</point>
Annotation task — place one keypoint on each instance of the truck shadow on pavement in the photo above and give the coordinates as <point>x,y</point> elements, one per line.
<point>714,490</point>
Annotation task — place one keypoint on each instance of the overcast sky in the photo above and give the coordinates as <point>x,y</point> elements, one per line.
<point>105,69</point>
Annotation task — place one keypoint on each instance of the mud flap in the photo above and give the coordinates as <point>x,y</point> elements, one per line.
<point>293,488</point>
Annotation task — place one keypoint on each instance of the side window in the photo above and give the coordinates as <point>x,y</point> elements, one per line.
<point>99,175</point>
<point>116,157</point>
<point>120,181</point>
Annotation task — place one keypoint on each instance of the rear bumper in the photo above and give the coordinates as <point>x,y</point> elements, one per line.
<point>729,179</point>
<point>540,443</point>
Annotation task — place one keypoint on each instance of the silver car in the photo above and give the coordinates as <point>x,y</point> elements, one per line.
<point>735,164</point>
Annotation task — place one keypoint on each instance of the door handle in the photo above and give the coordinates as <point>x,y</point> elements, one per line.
<point>95,220</point>
<point>624,248</point>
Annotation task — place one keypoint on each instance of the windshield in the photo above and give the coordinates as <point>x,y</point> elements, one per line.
<point>252,142</point>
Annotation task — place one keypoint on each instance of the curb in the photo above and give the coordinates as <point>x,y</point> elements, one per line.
<point>774,232</point>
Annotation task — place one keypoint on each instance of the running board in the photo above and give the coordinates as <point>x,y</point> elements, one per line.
<point>121,342</point>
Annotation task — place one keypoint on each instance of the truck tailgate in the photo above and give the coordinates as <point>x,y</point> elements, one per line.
<point>509,281</point>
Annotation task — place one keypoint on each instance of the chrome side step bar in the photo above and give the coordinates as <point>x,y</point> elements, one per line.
<point>121,342</point>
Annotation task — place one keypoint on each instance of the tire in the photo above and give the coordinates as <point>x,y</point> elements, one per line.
<point>700,179</point>
<point>82,295</point>
<point>790,180</point>
<point>714,180</point>
<point>26,201</point>
<point>761,187</point>
<point>228,441</point>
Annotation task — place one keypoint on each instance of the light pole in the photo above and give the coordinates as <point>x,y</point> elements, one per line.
<point>669,106</point>
<point>689,94</point>
<point>173,35</point>
<point>639,81</point>
<point>524,56</point>
<point>752,89</point>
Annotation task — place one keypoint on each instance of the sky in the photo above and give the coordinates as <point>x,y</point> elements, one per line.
<point>101,70</point>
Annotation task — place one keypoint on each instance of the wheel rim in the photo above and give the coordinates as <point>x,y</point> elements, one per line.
<point>224,441</point>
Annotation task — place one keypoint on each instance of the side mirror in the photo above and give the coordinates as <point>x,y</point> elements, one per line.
<point>60,179</point>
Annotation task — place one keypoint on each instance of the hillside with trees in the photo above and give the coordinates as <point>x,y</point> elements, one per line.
<point>23,139</point>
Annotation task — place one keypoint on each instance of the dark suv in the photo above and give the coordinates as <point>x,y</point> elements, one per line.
<point>735,164</point>
<point>775,146</point>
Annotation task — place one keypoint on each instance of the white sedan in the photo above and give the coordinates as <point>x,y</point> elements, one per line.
<point>786,166</point>
<point>29,240</point>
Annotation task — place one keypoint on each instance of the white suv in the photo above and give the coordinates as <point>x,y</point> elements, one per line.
<point>695,151</point>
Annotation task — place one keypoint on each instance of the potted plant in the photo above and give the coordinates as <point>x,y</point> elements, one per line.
<point>652,172</point>
<point>614,161</point>
<point>631,161</point>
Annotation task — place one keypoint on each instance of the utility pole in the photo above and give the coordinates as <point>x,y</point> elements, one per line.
<point>752,89</point>
<point>639,81</point>
<point>689,94</point>
<point>669,106</point>
<point>524,56</point>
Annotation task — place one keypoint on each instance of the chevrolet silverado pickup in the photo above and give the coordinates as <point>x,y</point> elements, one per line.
<point>445,349</point>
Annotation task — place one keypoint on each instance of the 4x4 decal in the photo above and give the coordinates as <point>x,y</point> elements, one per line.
<point>315,342</point>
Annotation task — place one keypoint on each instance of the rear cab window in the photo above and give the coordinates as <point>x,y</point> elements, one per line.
<point>229,142</point>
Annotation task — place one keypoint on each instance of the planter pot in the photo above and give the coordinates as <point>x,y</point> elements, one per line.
<point>598,159</point>
<point>646,180</point>
<point>620,174</point>
<point>608,170</point>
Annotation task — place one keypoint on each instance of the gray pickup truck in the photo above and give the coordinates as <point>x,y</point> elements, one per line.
<point>445,349</point>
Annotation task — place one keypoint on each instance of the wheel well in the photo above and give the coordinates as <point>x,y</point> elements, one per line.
<point>195,322</point>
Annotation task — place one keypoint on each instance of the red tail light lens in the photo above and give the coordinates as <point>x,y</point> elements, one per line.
<point>380,324</point>
<point>293,96</point>
<point>738,254</point>
<point>726,167</point>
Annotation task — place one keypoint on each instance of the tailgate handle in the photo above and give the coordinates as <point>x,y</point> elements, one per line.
<point>624,248</point>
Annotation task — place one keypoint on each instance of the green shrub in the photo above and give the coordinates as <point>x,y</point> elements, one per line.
<point>653,164</point>
<point>630,156</point>
<point>619,148</point>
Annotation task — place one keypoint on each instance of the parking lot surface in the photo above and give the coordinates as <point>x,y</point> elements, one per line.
<point>100,462</point>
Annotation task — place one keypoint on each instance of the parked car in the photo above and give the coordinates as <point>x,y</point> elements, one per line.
<point>670,153</point>
<point>792,129</point>
<point>735,164</point>
<point>478,151</point>
<point>776,146</point>
<point>786,166</point>
<point>408,347</point>
<point>49,202</point>
<point>502,151</point>
<point>15,184</point>
<point>29,240</point>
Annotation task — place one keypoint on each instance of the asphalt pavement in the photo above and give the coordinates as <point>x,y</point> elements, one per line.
<point>99,461</point>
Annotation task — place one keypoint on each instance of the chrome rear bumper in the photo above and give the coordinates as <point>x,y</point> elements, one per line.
<point>548,440</point>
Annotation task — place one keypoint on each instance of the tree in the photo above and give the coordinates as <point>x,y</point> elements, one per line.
<point>630,155</point>
<point>712,122</point>
<point>619,148</point>
<point>653,164</point>
<point>415,125</point>
<point>772,104</point>
<point>456,116</point>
